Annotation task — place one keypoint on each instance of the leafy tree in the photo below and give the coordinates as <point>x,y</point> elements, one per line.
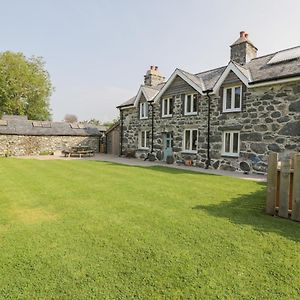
<point>25,86</point>
<point>96,122</point>
<point>69,118</point>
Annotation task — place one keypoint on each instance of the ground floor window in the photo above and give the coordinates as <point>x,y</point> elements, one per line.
<point>190,140</point>
<point>144,138</point>
<point>231,143</point>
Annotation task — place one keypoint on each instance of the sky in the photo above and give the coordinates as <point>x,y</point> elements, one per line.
<point>97,52</point>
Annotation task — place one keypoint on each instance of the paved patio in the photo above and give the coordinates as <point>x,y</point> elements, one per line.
<point>142,163</point>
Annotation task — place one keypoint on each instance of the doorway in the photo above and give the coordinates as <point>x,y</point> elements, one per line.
<point>168,145</point>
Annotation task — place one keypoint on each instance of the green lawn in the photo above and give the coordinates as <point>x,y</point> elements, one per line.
<point>94,230</point>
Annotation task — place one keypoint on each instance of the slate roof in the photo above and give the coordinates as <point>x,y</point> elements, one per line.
<point>257,70</point>
<point>20,125</point>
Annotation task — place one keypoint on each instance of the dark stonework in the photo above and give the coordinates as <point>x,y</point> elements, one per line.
<point>292,128</point>
<point>274,148</point>
<point>276,114</point>
<point>252,136</point>
<point>270,121</point>
<point>261,127</point>
<point>295,106</point>
<point>259,148</point>
<point>296,89</point>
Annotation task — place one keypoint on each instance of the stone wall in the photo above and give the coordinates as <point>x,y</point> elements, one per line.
<point>269,121</point>
<point>17,145</point>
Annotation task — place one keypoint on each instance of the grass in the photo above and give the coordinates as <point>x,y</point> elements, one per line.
<point>94,230</point>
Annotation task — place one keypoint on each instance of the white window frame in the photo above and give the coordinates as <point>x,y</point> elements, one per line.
<point>231,153</point>
<point>232,108</point>
<point>191,140</point>
<point>191,113</point>
<point>163,113</point>
<point>143,143</point>
<point>144,110</point>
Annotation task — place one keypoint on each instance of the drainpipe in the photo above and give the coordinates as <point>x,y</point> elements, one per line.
<point>121,132</point>
<point>152,126</point>
<point>208,128</point>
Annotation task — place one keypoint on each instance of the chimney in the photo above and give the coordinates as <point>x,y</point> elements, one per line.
<point>153,77</point>
<point>243,50</point>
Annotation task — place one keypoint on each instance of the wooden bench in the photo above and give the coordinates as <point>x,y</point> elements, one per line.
<point>79,151</point>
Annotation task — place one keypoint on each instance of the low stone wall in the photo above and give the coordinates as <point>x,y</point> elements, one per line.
<point>18,145</point>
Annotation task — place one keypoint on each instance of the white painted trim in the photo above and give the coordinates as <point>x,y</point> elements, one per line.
<point>145,110</point>
<point>191,138</point>
<point>192,113</point>
<point>145,140</point>
<point>232,109</point>
<point>138,96</point>
<point>279,81</point>
<point>231,154</point>
<point>177,72</point>
<point>230,67</point>
<point>163,114</point>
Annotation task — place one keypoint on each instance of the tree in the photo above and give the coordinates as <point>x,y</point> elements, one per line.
<point>96,122</point>
<point>25,86</point>
<point>69,118</point>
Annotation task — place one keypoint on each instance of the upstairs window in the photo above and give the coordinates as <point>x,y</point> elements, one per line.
<point>144,138</point>
<point>167,107</point>
<point>144,110</point>
<point>190,140</point>
<point>232,99</point>
<point>190,104</point>
<point>231,143</point>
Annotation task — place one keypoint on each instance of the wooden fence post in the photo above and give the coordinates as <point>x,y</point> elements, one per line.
<point>272,183</point>
<point>296,189</point>
<point>284,189</point>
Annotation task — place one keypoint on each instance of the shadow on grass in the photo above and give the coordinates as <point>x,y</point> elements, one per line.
<point>249,210</point>
<point>159,168</point>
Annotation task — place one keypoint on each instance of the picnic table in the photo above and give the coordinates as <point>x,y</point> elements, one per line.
<point>79,151</point>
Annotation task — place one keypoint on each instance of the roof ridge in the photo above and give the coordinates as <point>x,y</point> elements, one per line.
<point>196,74</point>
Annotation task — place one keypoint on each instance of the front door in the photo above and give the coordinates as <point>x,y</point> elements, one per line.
<point>168,145</point>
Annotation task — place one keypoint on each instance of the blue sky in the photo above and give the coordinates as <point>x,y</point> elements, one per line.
<point>98,51</point>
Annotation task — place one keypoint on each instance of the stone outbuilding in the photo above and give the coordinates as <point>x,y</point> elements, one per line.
<point>20,136</point>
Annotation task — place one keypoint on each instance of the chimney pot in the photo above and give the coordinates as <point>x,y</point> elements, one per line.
<point>151,67</point>
<point>242,33</point>
<point>156,67</point>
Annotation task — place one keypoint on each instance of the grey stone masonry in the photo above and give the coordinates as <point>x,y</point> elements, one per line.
<point>269,122</point>
<point>18,145</point>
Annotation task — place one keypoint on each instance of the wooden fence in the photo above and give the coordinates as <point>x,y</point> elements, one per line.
<point>283,194</point>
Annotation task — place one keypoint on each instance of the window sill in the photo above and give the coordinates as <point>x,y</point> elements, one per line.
<point>231,111</point>
<point>167,116</point>
<point>191,114</point>
<point>189,151</point>
<point>143,118</point>
<point>234,155</point>
<point>142,149</point>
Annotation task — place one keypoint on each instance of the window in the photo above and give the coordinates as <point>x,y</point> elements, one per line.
<point>231,143</point>
<point>144,110</point>
<point>190,140</point>
<point>190,104</point>
<point>232,99</point>
<point>167,107</point>
<point>144,139</point>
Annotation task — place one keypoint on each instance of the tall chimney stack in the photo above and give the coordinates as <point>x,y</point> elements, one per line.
<point>243,50</point>
<point>153,77</point>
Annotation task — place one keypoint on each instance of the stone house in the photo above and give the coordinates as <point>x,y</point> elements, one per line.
<point>222,117</point>
<point>20,136</point>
